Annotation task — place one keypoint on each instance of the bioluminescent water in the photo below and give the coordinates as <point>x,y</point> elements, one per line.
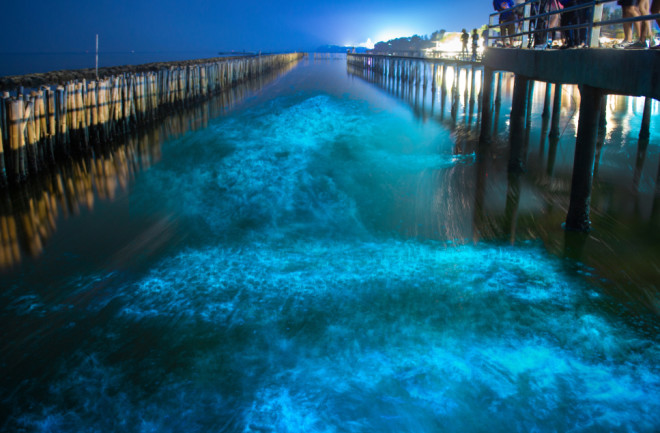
<point>330,255</point>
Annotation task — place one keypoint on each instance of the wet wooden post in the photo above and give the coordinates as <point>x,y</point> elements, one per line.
<point>17,157</point>
<point>443,84</point>
<point>602,125</point>
<point>547,100</point>
<point>528,123</point>
<point>486,107</point>
<point>644,132</point>
<point>498,91</point>
<point>433,77</point>
<point>530,100</point>
<point>585,149</point>
<point>556,111</point>
<point>472,93</point>
<point>517,154</point>
<point>52,126</point>
<point>31,148</point>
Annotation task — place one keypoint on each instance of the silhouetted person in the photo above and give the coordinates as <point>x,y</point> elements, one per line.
<point>475,44</point>
<point>507,27</point>
<point>464,38</point>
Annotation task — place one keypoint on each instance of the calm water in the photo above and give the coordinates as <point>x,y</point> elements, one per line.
<point>30,63</point>
<point>327,253</point>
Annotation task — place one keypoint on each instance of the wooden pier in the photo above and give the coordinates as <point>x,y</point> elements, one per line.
<point>597,73</point>
<point>62,119</point>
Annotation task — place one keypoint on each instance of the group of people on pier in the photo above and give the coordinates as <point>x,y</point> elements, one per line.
<point>565,14</point>
<point>465,38</point>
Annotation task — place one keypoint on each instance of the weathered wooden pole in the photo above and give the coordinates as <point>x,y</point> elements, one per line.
<point>485,135</point>
<point>602,125</point>
<point>585,148</point>
<point>52,125</point>
<point>18,167</point>
<point>472,96</point>
<point>498,91</point>
<point>433,77</point>
<point>644,132</point>
<point>547,100</point>
<point>31,147</point>
<point>530,100</point>
<point>556,112</point>
<point>517,155</point>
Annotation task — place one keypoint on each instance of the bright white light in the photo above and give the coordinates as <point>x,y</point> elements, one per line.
<point>368,44</point>
<point>393,33</point>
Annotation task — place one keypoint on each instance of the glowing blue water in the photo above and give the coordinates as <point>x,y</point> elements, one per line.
<point>294,302</point>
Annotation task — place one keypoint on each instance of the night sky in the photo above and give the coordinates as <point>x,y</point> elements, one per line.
<point>252,25</point>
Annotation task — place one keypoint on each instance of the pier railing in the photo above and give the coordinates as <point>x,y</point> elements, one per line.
<point>75,117</point>
<point>530,19</point>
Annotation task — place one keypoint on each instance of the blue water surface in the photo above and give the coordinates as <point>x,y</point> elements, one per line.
<point>316,271</point>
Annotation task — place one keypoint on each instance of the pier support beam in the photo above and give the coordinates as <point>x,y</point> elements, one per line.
<point>583,165</point>
<point>556,112</point>
<point>517,153</point>
<point>486,108</point>
<point>644,132</point>
<point>547,100</point>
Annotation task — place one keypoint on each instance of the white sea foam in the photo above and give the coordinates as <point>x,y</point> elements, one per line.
<point>309,322</point>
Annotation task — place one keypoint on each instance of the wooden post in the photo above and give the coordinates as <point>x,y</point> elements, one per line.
<point>498,90</point>
<point>525,27</point>
<point>31,147</point>
<point>486,107</point>
<point>92,104</point>
<point>52,125</point>
<point>517,154</point>
<point>556,112</point>
<point>585,148</point>
<point>43,126</point>
<point>594,36</point>
<point>644,133</point>
<point>546,101</point>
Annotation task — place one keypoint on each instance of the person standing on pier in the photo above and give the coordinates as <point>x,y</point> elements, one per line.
<point>507,27</point>
<point>655,9</point>
<point>631,9</point>
<point>575,37</point>
<point>475,44</point>
<point>464,38</point>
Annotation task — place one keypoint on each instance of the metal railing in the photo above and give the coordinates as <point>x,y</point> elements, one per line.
<point>529,16</point>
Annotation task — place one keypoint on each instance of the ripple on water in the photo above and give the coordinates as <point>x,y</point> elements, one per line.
<point>388,336</point>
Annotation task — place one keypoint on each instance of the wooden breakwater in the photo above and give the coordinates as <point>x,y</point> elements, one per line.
<point>31,211</point>
<point>52,121</point>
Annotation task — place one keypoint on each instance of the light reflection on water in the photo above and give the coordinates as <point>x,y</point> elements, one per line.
<point>325,258</point>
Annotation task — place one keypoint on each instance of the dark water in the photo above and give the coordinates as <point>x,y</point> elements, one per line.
<point>329,254</point>
<point>30,63</point>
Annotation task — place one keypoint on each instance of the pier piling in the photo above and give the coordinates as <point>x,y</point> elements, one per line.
<point>577,218</point>
<point>517,128</point>
<point>70,119</point>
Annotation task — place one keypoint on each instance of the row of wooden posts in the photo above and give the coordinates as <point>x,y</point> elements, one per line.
<point>29,212</point>
<point>419,71</point>
<point>592,120</point>
<point>38,127</point>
